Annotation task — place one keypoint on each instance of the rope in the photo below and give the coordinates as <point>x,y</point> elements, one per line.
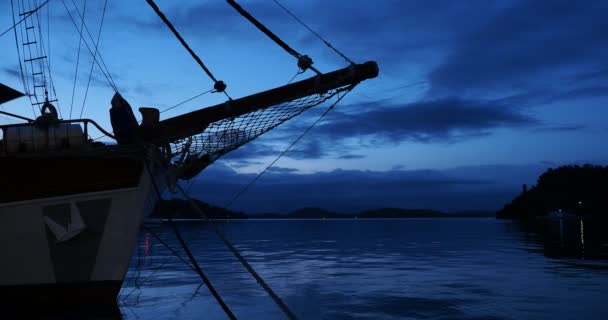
<point>19,51</point>
<point>107,76</point>
<point>313,32</point>
<point>252,182</point>
<point>299,72</point>
<point>220,86</point>
<point>103,62</point>
<point>15,24</point>
<point>305,59</point>
<point>187,100</point>
<point>86,92</point>
<point>197,268</point>
<point>216,295</point>
<point>271,293</point>
<point>153,272</point>
<point>175,253</point>
<point>84,10</point>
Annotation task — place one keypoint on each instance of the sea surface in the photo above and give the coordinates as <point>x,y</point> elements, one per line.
<point>453,268</point>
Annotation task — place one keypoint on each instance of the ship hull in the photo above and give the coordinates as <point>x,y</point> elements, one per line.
<point>92,298</point>
<point>72,250</point>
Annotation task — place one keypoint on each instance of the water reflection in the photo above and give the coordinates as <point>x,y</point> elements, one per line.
<point>378,269</point>
<point>568,237</point>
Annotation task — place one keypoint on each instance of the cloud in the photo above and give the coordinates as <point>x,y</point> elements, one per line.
<point>563,128</point>
<point>12,72</point>
<point>282,170</point>
<point>216,18</point>
<point>443,120</point>
<point>394,32</point>
<point>524,45</point>
<point>367,125</point>
<point>592,91</point>
<point>351,156</point>
<point>254,149</point>
<point>475,187</point>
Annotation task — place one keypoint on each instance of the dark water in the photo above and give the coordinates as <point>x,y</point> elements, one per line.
<point>375,269</point>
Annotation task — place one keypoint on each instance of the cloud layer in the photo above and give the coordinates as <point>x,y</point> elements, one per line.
<point>282,190</point>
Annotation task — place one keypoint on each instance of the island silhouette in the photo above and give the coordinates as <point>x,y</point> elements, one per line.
<point>567,190</point>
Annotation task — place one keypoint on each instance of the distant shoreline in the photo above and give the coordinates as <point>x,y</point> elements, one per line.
<point>181,210</point>
<point>307,219</point>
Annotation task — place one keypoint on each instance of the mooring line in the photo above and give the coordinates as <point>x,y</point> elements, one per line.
<point>290,315</point>
<point>194,265</point>
<point>200,272</point>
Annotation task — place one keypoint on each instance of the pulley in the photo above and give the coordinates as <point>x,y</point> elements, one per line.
<point>219,86</point>
<point>304,62</point>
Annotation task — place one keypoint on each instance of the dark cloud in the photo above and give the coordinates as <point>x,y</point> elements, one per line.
<point>255,149</point>
<point>593,91</point>
<point>282,170</point>
<point>351,156</point>
<point>442,120</point>
<point>394,32</point>
<point>241,163</point>
<point>525,45</point>
<point>592,75</point>
<point>560,128</point>
<point>370,125</point>
<point>312,147</point>
<point>12,72</point>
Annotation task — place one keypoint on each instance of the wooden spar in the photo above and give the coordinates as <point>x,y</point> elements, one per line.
<point>195,122</point>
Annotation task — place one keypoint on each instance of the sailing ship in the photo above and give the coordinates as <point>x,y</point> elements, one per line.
<point>71,207</point>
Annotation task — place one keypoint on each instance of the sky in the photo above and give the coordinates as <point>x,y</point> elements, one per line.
<point>474,98</point>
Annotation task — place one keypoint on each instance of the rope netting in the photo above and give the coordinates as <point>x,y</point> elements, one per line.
<point>196,152</point>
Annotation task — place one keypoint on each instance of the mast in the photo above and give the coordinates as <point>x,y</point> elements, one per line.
<point>195,122</point>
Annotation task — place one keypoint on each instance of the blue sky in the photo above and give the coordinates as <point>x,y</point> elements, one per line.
<point>474,97</point>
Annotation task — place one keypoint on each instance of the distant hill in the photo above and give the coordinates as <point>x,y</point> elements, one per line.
<point>581,190</point>
<point>304,213</point>
<point>181,209</point>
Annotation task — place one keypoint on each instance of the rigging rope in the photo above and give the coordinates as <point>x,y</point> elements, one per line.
<point>187,100</point>
<point>182,242</point>
<point>106,73</point>
<point>86,92</point>
<point>48,59</point>
<point>256,178</point>
<point>15,24</point>
<point>304,62</point>
<point>219,85</point>
<point>199,271</point>
<point>176,254</point>
<point>84,10</point>
<point>25,87</point>
<point>92,40</point>
<point>299,72</point>
<point>313,32</point>
<point>237,254</point>
<point>42,53</point>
